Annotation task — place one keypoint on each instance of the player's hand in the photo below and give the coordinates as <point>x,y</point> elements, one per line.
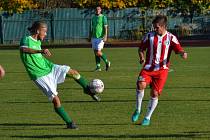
<point>105,39</point>
<point>142,61</point>
<point>184,55</point>
<point>2,72</point>
<point>46,52</point>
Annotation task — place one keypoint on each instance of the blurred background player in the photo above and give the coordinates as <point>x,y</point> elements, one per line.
<point>45,74</point>
<point>2,72</point>
<point>99,37</point>
<point>158,46</point>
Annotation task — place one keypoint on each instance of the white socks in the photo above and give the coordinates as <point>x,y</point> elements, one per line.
<point>139,97</point>
<point>151,107</point>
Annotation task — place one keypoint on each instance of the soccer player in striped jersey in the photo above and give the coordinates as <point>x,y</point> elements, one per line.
<point>99,33</point>
<point>158,45</point>
<point>44,73</point>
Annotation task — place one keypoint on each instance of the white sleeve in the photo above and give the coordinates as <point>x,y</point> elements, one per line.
<point>24,46</point>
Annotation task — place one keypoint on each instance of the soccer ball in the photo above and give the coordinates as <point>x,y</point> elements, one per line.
<point>96,86</point>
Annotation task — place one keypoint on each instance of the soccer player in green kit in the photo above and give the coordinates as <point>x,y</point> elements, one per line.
<point>98,37</point>
<point>45,74</point>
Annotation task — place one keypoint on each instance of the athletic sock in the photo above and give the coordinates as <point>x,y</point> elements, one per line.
<point>83,82</point>
<point>63,114</point>
<point>98,60</point>
<point>151,107</point>
<point>139,98</point>
<point>104,58</point>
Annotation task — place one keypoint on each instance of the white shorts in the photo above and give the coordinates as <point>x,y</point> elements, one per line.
<point>97,43</point>
<point>48,83</point>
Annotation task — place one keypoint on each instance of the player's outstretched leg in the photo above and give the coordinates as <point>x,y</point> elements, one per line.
<point>82,82</point>
<point>63,114</point>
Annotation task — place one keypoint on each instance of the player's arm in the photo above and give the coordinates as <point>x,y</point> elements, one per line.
<point>2,72</point>
<point>183,54</point>
<point>33,51</point>
<point>141,56</point>
<point>106,33</point>
<point>105,29</point>
<point>177,48</point>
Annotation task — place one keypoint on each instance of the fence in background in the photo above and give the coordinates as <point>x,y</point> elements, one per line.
<point>73,25</point>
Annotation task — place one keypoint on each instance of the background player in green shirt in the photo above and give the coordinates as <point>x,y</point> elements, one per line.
<point>45,74</point>
<point>98,37</point>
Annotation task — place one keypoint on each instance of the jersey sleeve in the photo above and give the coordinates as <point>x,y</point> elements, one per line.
<point>24,42</point>
<point>144,43</point>
<point>176,45</point>
<point>105,21</point>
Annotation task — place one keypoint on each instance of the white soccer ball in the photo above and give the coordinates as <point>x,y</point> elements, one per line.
<point>96,86</point>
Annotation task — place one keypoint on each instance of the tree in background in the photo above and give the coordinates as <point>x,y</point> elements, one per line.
<point>17,6</point>
<point>189,8</point>
<point>183,6</point>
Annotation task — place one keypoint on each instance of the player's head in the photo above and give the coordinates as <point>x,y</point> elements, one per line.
<point>159,24</point>
<point>98,10</point>
<point>39,28</point>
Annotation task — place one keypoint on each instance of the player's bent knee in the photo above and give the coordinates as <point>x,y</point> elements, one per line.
<point>141,85</point>
<point>74,74</point>
<point>98,53</point>
<point>154,93</point>
<point>56,102</point>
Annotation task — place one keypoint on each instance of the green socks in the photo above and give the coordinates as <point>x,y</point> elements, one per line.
<point>83,82</point>
<point>104,58</point>
<point>62,113</point>
<point>98,60</point>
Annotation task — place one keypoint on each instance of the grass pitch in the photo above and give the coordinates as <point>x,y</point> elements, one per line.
<point>183,111</point>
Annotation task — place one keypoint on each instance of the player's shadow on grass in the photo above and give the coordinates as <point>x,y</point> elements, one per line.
<point>28,126</point>
<point>190,134</point>
<point>108,101</point>
<point>197,132</point>
<point>98,136</point>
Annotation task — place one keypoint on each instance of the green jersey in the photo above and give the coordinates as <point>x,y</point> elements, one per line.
<point>36,65</point>
<point>98,23</point>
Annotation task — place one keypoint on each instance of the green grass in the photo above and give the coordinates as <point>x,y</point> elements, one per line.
<point>183,112</point>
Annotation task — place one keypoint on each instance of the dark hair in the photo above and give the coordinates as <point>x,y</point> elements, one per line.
<point>161,19</point>
<point>36,25</point>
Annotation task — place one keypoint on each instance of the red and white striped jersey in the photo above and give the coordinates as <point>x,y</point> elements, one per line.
<point>159,49</point>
